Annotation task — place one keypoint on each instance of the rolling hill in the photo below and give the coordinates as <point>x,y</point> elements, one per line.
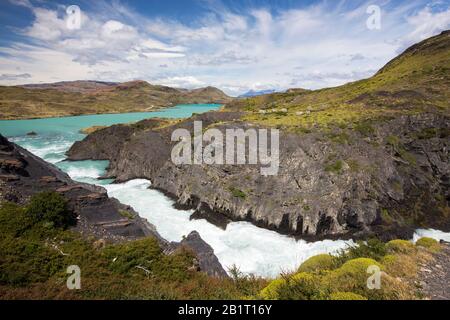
<point>92,97</point>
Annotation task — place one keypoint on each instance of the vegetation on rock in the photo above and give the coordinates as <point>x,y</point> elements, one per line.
<point>345,276</point>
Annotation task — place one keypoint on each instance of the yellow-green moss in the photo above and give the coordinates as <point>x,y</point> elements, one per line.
<point>428,243</point>
<point>271,291</point>
<point>400,246</point>
<point>351,276</point>
<point>318,263</point>
<point>346,296</point>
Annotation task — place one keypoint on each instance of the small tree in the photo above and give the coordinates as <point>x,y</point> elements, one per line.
<point>51,207</point>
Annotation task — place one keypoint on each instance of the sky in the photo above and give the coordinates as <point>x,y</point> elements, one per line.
<point>234,45</point>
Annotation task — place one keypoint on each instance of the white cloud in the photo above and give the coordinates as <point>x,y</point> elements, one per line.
<point>9,76</point>
<point>23,3</point>
<point>188,82</point>
<point>321,45</point>
<point>426,24</point>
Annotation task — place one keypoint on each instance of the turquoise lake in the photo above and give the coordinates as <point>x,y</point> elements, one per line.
<point>56,135</point>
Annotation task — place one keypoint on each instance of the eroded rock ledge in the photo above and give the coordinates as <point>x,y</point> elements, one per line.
<point>337,183</point>
<point>23,174</point>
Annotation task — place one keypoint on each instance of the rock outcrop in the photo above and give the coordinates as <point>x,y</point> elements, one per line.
<point>385,185</point>
<point>205,254</point>
<point>23,174</point>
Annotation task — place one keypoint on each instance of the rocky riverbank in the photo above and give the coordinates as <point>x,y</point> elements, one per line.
<point>24,174</point>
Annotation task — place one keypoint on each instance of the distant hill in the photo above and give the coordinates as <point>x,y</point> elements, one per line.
<point>92,97</point>
<point>81,86</point>
<point>254,93</point>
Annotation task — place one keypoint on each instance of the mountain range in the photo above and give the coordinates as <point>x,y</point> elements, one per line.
<point>92,97</point>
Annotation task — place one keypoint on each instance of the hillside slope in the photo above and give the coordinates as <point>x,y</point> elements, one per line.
<point>91,97</point>
<point>416,81</point>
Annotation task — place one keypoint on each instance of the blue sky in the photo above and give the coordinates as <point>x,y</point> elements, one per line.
<point>231,44</point>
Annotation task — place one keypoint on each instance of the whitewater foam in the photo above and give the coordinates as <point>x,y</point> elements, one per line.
<point>431,233</point>
<point>251,249</point>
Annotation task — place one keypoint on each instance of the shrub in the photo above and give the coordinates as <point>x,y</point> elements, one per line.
<point>126,257</point>
<point>146,257</point>
<point>126,214</point>
<point>302,286</point>
<point>365,129</point>
<point>400,246</point>
<point>271,291</point>
<point>25,261</point>
<point>318,263</point>
<point>346,296</point>
<point>400,265</point>
<point>428,243</point>
<point>372,248</point>
<point>50,207</point>
<point>352,276</point>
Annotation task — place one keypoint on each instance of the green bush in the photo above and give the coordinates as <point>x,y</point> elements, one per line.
<point>146,256</point>
<point>352,277</point>
<point>346,296</point>
<point>34,258</point>
<point>318,263</point>
<point>372,248</point>
<point>50,207</point>
<point>428,243</point>
<point>271,291</point>
<point>25,261</point>
<point>302,286</point>
<point>14,220</point>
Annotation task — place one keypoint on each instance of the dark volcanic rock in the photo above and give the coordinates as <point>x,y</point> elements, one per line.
<point>22,174</point>
<point>386,184</point>
<point>207,261</point>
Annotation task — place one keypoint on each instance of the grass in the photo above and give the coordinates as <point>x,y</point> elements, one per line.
<point>126,214</point>
<point>237,193</point>
<point>335,167</point>
<point>138,96</point>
